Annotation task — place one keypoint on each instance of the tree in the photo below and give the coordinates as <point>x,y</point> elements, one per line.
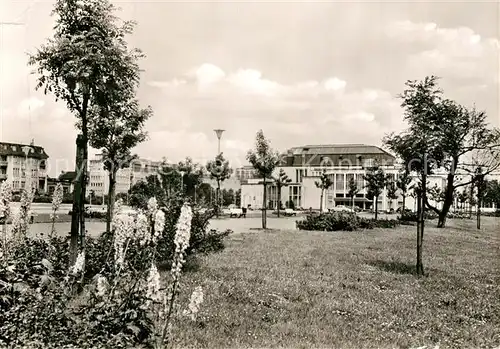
<point>392,192</point>
<point>492,193</point>
<point>115,130</point>
<point>436,193</point>
<point>264,159</point>
<point>182,178</point>
<point>353,190</point>
<point>481,185</point>
<point>281,181</point>
<point>447,133</point>
<point>204,194</point>
<point>219,170</point>
<point>227,197</point>
<point>324,183</point>
<point>402,184</point>
<point>237,198</point>
<point>375,182</point>
<point>462,197</point>
<point>85,64</point>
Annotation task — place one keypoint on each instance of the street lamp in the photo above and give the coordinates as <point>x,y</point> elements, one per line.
<point>218,132</point>
<point>26,149</point>
<point>182,181</point>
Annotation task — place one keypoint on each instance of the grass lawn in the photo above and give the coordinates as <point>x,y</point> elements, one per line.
<point>298,289</point>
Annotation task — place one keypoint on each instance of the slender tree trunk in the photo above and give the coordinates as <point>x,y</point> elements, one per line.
<point>83,192</point>
<point>420,232</point>
<point>376,207</point>
<point>321,202</point>
<point>264,206</point>
<point>419,265</point>
<point>111,199</point>
<point>448,201</point>
<point>478,214</point>
<point>75,215</point>
<point>403,208</point>
<point>479,201</point>
<point>217,198</point>
<point>470,201</point>
<point>279,200</point>
<point>352,202</point>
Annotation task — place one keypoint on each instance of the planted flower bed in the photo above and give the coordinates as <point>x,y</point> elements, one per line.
<point>343,221</point>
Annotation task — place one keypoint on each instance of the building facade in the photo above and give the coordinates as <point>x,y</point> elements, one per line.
<point>342,163</point>
<point>304,166</point>
<point>126,177</point>
<point>21,164</point>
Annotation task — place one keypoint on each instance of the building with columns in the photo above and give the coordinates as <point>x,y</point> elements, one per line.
<point>304,166</point>
<point>342,162</point>
<point>21,164</point>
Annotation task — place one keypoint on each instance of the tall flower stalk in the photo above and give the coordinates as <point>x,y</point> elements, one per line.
<point>20,223</point>
<point>181,242</point>
<point>5,199</point>
<point>57,198</point>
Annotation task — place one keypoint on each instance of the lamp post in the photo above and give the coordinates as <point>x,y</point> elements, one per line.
<point>182,182</point>
<point>26,149</point>
<point>218,132</point>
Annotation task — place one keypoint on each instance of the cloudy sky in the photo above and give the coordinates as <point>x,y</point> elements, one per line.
<point>305,73</point>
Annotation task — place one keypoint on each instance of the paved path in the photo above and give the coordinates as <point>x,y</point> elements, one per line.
<point>238,225</point>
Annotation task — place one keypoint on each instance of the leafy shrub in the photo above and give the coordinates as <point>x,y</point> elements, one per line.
<point>46,304</point>
<point>379,223</point>
<point>330,222</point>
<point>413,216</point>
<point>38,302</point>
<point>345,221</point>
<point>491,214</point>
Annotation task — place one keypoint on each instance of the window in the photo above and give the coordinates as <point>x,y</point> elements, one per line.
<point>339,182</point>
<point>349,177</point>
<point>16,172</point>
<point>298,175</point>
<point>360,182</point>
<point>294,195</point>
<point>369,163</point>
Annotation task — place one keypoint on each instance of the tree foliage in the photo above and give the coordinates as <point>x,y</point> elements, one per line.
<point>403,183</point>
<point>449,135</point>
<point>86,64</point>
<point>353,190</point>
<point>167,183</point>
<point>264,159</point>
<point>323,184</point>
<point>281,180</point>
<point>376,180</point>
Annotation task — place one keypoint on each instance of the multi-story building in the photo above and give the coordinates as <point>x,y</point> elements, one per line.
<point>126,177</point>
<point>21,164</point>
<point>342,163</point>
<point>304,165</point>
<point>245,172</point>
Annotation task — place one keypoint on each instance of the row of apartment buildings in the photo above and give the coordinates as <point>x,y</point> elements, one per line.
<point>22,163</point>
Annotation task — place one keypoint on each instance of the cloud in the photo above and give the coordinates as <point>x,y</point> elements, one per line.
<point>334,84</point>
<point>450,52</point>
<point>244,101</point>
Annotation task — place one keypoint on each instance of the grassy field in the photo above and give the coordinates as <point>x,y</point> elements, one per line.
<point>298,289</point>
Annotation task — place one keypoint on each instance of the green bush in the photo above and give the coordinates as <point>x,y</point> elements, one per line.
<point>491,214</point>
<point>345,221</point>
<point>39,310</point>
